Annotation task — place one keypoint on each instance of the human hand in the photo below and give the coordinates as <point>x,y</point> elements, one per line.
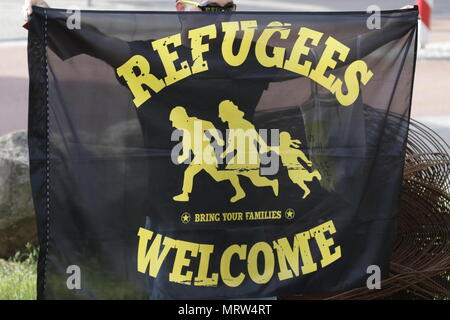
<point>181,158</point>
<point>295,143</point>
<point>27,9</point>
<point>395,22</point>
<point>220,142</point>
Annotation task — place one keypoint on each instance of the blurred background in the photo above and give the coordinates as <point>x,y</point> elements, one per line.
<point>17,220</point>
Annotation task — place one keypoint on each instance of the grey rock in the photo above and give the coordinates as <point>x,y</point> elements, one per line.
<point>17,215</point>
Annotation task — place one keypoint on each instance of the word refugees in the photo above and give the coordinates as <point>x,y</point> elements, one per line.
<point>140,82</point>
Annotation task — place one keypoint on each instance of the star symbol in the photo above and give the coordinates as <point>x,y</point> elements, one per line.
<point>289,213</point>
<point>185,217</point>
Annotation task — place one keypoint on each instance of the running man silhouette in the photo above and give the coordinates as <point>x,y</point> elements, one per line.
<point>243,138</point>
<point>196,140</point>
<point>289,154</point>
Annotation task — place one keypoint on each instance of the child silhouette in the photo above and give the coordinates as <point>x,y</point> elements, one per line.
<point>289,153</point>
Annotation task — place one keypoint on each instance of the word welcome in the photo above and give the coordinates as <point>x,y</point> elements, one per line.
<point>139,82</point>
<point>288,260</point>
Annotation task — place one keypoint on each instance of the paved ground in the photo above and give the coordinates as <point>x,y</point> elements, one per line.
<point>432,84</point>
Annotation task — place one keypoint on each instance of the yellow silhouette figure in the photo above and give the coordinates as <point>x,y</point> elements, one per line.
<point>195,140</point>
<point>289,153</point>
<point>243,138</point>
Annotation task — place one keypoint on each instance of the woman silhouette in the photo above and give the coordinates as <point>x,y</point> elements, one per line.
<point>243,138</point>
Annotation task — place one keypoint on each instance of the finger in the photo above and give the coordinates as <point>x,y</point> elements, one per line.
<point>25,13</point>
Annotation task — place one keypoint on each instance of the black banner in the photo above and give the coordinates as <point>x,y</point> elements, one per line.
<point>214,155</point>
